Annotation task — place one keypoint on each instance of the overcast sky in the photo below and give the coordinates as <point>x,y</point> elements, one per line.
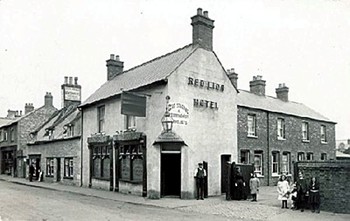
<point>305,44</point>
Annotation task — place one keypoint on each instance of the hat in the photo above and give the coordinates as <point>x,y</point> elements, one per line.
<point>200,163</point>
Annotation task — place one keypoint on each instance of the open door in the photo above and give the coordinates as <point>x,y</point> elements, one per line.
<point>170,174</point>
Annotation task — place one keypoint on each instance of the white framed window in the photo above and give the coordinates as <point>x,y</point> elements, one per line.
<point>5,135</point>
<point>323,156</point>
<point>275,163</point>
<point>245,156</point>
<point>258,162</point>
<point>305,131</point>
<point>68,167</point>
<point>101,119</point>
<point>251,125</point>
<point>49,166</point>
<point>281,129</point>
<point>130,122</point>
<point>323,134</point>
<point>309,156</point>
<point>285,163</point>
<point>301,156</point>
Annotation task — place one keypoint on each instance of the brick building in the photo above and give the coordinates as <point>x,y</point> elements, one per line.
<point>132,153</point>
<point>55,144</point>
<point>274,132</point>
<point>15,135</point>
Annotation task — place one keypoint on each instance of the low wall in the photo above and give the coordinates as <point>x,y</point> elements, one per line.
<point>334,177</point>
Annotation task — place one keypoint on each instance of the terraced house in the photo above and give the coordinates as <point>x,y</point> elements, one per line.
<point>274,132</point>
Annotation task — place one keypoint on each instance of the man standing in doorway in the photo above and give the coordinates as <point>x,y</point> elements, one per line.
<point>200,175</point>
<point>31,172</point>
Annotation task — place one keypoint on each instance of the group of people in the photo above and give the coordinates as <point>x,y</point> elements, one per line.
<point>300,193</point>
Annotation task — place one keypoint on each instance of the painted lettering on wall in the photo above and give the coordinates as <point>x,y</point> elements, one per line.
<point>205,84</point>
<point>205,103</point>
<point>179,112</point>
<point>72,93</point>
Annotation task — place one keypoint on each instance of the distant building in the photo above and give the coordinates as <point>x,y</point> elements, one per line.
<point>343,145</point>
<point>55,144</point>
<point>132,153</point>
<point>15,135</point>
<point>274,132</point>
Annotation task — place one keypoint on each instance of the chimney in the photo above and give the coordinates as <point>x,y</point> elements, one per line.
<point>71,92</point>
<point>11,113</point>
<point>257,85</point>
<point>233,76</point>
<point>114,67</point>
<point>282,92</point>
<point>48,99</point>
<point>28,108</point>
<point>202,29</point>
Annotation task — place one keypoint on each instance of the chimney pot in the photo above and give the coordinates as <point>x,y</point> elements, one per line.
<point>205,13</point>
<point>117,58</point>
<point>233,76</point>
<point>65,79</point>
<point>112,57</point>
<point>76,80</point>
<point>199,11</point>
<point>70,80</point>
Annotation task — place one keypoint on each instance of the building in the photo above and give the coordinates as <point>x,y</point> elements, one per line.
<point>274,132</point>
<point>343,145</point>
<point>130,152</point>
<point>15,135</point>
<point>55,145</point>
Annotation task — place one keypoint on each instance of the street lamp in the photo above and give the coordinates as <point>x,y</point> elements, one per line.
<point>167,120</point>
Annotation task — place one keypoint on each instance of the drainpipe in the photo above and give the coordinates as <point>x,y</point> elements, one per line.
<point>81,149</point>
<point>268,148</point>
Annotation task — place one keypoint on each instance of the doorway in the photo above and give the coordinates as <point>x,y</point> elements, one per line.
<point>58,169</point>
<point>170,173</point>
<point>225,164</point>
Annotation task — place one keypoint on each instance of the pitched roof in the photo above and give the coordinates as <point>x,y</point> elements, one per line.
<point>272,104</point>
<point>147,73</point>
<point>341,154</point>
<point>4,121</point>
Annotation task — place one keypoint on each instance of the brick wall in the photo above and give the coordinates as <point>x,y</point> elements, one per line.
<point>267,141</point>
<point>334,177</point>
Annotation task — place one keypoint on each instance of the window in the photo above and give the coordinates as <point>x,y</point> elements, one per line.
<point>245,156</point>
<point>70,130</point>
<point>101,119</point>
<point>130,122</point>
<point>258,162</point>
<point>131,163</point>
<point>101,162</point>
<point>285,163</point>
<point>1,138</point>
<point>323,134</point>
<point>323,156</point>
<point>68,167</point>
<point>275,162</point>
<point>309,156</point>
<point>50,132</point>
<point>251,125</point>
<point>305,131</point>
<point>301,156</point>
<point>12,134</point>
<point>280,129</point>
<point>5,135</point>
<point>49,166</point>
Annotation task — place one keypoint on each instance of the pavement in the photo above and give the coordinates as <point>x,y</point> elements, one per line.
<point>267,207</point>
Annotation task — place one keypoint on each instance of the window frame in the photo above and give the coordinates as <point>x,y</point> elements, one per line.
<point>12,134</point>
<point>302,154</point>
<point>309,155</point>
<point>68,168</point>
<point>287,163</point>
<point>251,129</point>
<point>281,129</point>
<point>130,153</point>
<point>275,163</point>
<point>305,131</point>
<point>323,133</point>
<point>101,113</point>
<point>260,155</point>
<point>50,166</point>
<point>323,156</point>
<point>101,153</point>
<point>130,122</point>
<point>246,154</point>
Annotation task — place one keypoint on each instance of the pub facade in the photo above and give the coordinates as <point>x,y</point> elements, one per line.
<point>145,130</point>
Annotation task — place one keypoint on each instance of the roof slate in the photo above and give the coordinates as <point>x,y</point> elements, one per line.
<point>147,73</point>
<point>272,104</point>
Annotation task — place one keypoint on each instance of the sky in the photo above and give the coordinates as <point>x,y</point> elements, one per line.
<point>304,44</point>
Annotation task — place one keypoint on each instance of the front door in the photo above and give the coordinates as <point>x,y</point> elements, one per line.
<point>225,160</point>
<point>171,174</point>
<point>58,170</point>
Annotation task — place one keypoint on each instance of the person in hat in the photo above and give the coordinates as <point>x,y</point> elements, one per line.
<point>200,175</point>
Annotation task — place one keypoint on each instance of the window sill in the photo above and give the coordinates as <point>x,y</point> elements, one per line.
<point>306,141</point>
<point>252,136</point>
<point>324,142</point>
<point>275,175</point>
<point>281,138</point>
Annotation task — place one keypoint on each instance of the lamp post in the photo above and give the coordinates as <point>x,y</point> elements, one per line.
<point>167,120</point>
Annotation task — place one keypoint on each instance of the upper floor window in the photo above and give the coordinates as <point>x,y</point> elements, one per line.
<point>252,125</point>
<point>101,118</point>
<point>1,138</point>
<point>130,122</point>
<point>5,135</point>
<point>245,156</point>
<point>323,134</point>
<point>275,163</point>
<point>309,156</point>
<point>323,156</point>
<point>305,130</point>
<point>301,156</point>
<point>12,134</point>
<point>258,162</point>
<point>281,129</point>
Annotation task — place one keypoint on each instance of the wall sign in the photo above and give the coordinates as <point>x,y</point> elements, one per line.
<point>71,93</point>
<point>205,84</point>
<point>205,103</point>
<point>179,112</point>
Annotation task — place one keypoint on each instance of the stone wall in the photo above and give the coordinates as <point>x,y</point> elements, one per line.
<point>334,177</point>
